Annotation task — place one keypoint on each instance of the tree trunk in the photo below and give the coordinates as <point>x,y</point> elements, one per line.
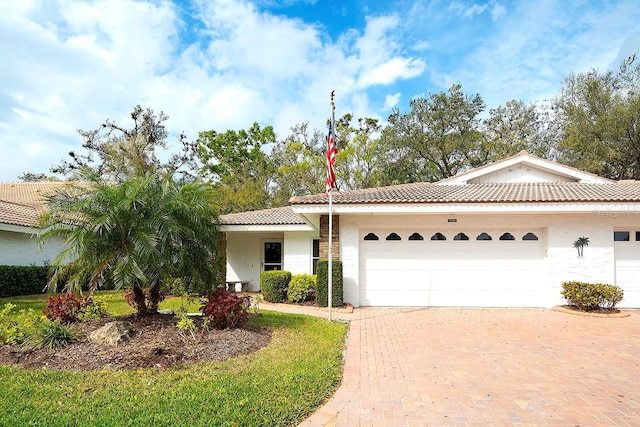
<point>141,305</point>
<point>154,298</point>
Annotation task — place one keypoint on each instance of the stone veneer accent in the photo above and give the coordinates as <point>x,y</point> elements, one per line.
<point>222,242</point>
<point>324,237</point>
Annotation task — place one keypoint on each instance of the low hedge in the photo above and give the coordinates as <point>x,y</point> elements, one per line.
<point>16,280</point>
<point>322,283</point>
<point>591,296</point>
<point>273,285</point>
<point>300,287</point>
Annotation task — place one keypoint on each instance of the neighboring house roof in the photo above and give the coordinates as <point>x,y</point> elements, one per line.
<point>21,203</point>
<point>275,216</point>
<point>14,214</point>
<point>483,193</point>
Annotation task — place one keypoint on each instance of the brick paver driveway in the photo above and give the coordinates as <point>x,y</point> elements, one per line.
<point>430,367</point>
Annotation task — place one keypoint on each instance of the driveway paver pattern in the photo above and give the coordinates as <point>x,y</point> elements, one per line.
<point>473,367</point>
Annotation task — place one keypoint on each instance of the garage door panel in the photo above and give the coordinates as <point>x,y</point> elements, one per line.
<point>627,260</point>
<point>451,273</point>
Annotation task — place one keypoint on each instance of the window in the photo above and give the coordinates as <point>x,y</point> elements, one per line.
<point>393,236</point>
<point>529,236</point>
<point>315,256</point>
<point>438,236</point>
<point>483,236</point>
<point>620,236</point>
<point>637,236</point>
<point>371,236</point>
<point>461,236</point>
<point>272,256</point>
<point>416,236</point>
<point>507,236</point>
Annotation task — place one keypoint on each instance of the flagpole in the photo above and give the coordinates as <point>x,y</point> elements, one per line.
<point>330,261</point>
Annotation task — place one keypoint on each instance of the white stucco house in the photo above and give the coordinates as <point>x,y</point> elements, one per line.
<point>20,205</point>
<point>497,236</point>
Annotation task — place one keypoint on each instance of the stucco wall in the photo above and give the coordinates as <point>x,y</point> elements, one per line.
<point>297,251</point>
<point>244,256</point>
<point>560,231</point>
<point>22,249</point>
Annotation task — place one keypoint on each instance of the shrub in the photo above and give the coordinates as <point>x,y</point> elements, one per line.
<point>225,309</point>
<point>300,287</point>
<point>94,308</point>
<point>591,296</point>
<point>65,308</point>
<point>273,285</point>
<point>51,335</point>
<point>18,280</point>
<point>186,324</point>
<point>322,283</point>
<point>16,328</point>
<point>7,325</point>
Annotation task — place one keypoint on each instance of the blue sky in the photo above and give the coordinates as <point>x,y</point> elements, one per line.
<point>223,64</point>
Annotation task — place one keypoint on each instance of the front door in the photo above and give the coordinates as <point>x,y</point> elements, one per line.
<point>272,256</point>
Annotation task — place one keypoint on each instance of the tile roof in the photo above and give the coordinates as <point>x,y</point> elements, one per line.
<point>623,191</point>
<point>21,203</point>
<point>275,216</point>
<point>15,214</point>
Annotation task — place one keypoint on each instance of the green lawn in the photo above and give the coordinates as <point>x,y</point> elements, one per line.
<point>278,385</point>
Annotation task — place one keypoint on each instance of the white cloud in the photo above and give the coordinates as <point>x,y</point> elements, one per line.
<point>466,11</point>
<point>497,11</point>
<point>527,55</point>
<point>70,66</point>
<point>73,64</point>
<point>390,71</point>
<point>391,101</point>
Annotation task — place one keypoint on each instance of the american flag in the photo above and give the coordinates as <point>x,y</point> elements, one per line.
<point>332,150</point>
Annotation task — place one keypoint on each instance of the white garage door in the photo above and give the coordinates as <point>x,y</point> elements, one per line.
<point>627,255</point>
<point>472,268</point>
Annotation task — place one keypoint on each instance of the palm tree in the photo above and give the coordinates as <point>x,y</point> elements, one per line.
<point>134,235</point>
<point>580,244</point>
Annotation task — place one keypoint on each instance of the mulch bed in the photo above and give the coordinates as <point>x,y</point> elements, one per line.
<point>156,342</point>
<point>601,312</point>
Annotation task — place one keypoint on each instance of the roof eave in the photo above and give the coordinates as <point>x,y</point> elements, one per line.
<point>603,208</point>
<point>15,228</point>
<point>264,227</point>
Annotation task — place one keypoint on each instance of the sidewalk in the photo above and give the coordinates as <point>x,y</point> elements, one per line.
<point>343,314</point>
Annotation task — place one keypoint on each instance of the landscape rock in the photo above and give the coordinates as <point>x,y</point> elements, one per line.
<point>112,333</point>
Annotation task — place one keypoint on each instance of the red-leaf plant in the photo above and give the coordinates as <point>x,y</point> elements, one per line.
<point>225,309</point>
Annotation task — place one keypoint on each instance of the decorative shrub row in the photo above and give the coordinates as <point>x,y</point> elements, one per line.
<point>27,328</point>
<point>591,296</point>
<point>274,284</point>
<point>16,280</point>
<point>70,308</point>
<point>322,285</point>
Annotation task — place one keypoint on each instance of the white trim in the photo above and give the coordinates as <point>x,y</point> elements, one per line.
<point>19,229</point>
<point>525,158</point>
<point>296,227</point>
<point>605,209</point>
